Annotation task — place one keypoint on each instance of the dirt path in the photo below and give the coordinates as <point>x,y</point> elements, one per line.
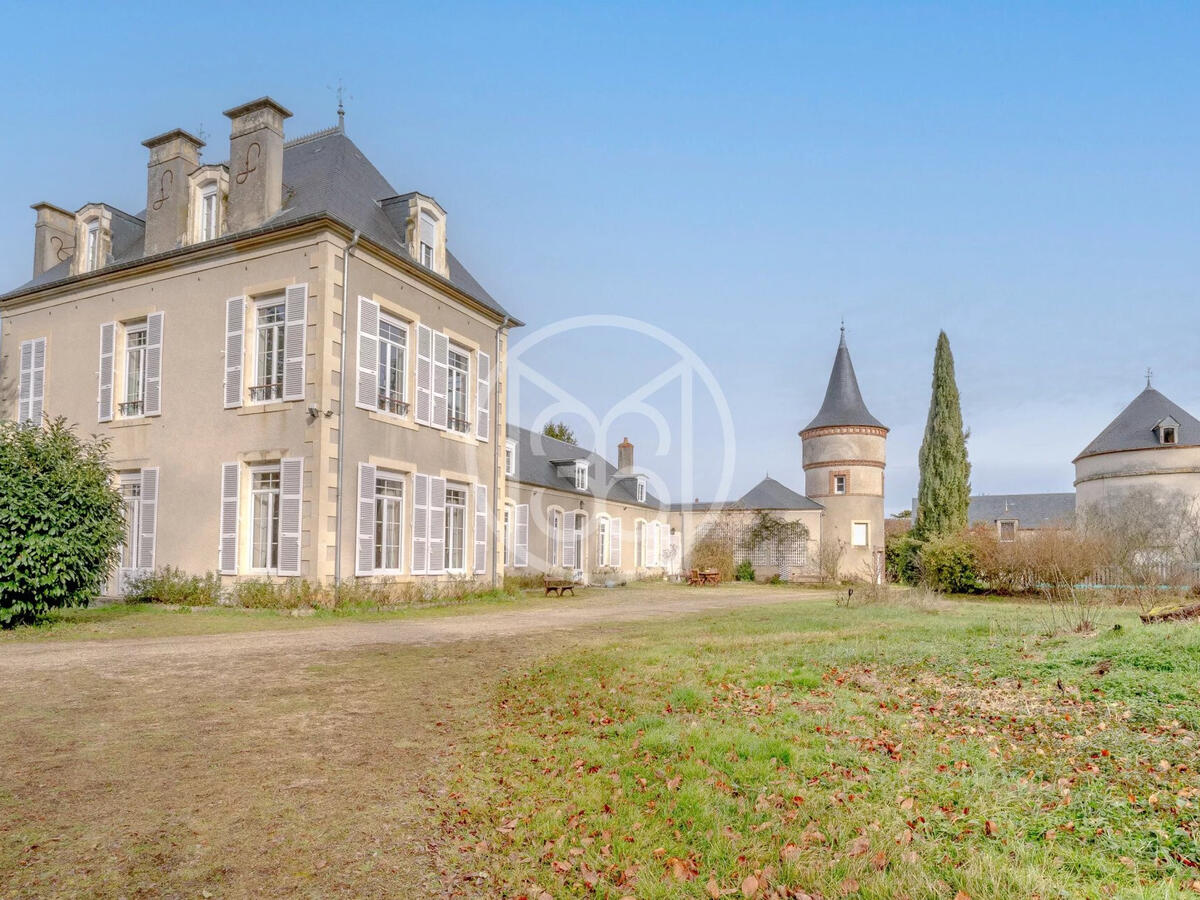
<point>313,762</point>
<point>595,608</point>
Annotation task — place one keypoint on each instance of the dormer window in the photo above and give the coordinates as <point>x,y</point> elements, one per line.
<point>1168,434</point>
<point>640,490</point>
<point>581,475</point>
<point>1168,431</point>
<point>1007,530</point>
<point>91,253</point>
<point>428,239</point>
<point>209,198</point>
<point>510,458</point>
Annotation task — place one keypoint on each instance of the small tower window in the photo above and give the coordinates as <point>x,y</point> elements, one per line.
<point>1169,434</point>
<point>840,483</point>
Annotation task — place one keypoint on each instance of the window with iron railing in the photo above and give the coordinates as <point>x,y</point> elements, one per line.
<point>261,393</point>
<point>393,403</point>
<point>457,390</point>
<point>131,409</point>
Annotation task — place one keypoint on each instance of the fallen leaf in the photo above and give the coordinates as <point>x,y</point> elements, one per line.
<point>989,828</point>
<point>849,886</point>
<point>907,803</point>
<point>749,886</point>
<point>879,860</point>
<point>790,852</point>
<point>962,895</point>
<point>714,889</point>
<point>858,846</point>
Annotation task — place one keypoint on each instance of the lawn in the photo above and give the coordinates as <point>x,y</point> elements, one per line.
<point>915,748</point>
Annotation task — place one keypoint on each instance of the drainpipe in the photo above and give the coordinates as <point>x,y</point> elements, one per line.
<point>341,465</point>
<point>498,460</point>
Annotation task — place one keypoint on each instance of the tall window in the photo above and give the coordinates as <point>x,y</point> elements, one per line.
<point>579,541</point>
<point>456,389</point>
<point>271,320</point>
<point>393,365</point>
<point>602,548</point>
<point>581,475</point>
<point>639,544</point>
<point>135,370</point>
<point>641,490</point>
<point>839,484</point>
<point>508,525</point>
<point>859,534</point>
<point>264,531</point>
<point>208,211</point>
<point>553,533</point>
<point>456,528</point>
<point>428,238</point>
<point>389,522</point>
<point>131,494</point>
<point>92,246</point>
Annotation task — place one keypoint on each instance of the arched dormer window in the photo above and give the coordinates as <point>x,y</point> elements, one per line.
<point>91,246</point>
<point>210,198</point>
<point>427,235</point>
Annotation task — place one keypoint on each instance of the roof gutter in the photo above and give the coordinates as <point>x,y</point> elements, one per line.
<point>341,464</point>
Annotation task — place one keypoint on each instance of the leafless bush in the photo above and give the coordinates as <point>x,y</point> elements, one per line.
<point>713,551</point>
<point>829,558</point>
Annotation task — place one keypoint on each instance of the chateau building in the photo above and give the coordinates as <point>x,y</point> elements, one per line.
<point>296,374</point>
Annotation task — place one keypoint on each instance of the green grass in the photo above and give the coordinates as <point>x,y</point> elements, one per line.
<point>878,752</point>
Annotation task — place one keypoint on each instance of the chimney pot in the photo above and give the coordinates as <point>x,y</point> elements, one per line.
<point>255,163</point>
<point>625,455</point>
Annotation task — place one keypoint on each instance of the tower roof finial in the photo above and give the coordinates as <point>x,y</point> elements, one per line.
<point>1149,374</point>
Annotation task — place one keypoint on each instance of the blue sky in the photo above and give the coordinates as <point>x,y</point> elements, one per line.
<point>1024,176</point>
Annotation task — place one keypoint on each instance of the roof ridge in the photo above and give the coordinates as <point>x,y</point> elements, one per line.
<point>312,136</point>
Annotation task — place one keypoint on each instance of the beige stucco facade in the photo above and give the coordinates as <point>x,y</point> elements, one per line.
<point>657,554</point>
<point>844,471</point>
<point>1105,479</point>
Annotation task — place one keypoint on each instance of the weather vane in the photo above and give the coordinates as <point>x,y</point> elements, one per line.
<point>342,96</point>
<point>1149,372</point>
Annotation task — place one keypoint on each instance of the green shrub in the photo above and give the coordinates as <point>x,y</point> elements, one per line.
<point>713,553</point>
<point>949,564</point>
<point>171,585</point>
<point>902,553</point>
<point>745,571</point>
<point>61,520</point>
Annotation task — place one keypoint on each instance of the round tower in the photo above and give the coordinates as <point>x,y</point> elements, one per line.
<point>845,451</point>
<point>1149,453</point>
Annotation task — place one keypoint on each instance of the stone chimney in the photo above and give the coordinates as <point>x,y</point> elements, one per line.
<point>255,163</point>
<point>53,237</point>
<point>625,456</point>
<point>173,157</point>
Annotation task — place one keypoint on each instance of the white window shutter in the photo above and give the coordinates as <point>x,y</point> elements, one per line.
<point>656,547</point>
<point>108,341</point>
<point>37,393</point>
<point>437,526</point>
<point>567,554</point>
<point>614,543</point>
<point>235,347</point>
<point>424,410</point>
<point>367,394</point>
<point>25,390</point>
<point>481,529</point>
<point>420,525</point>
<point>154,351</point>
<point>521,536</point>
<point>291,505</point>
<point>483,396</point>
<point>441,379</point>
<point>230,484</point>
<point>295,331</point>
<point>364,557</point>
<point>149,536</point>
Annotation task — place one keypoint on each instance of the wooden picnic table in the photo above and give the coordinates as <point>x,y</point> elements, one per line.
<point>704,576</point>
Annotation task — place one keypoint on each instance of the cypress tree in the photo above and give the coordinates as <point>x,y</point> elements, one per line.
<point>945,489</point>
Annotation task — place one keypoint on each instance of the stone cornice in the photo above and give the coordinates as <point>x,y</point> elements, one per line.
<point>1176,470</point>
<point>873,463</point>
<point>876,430</point>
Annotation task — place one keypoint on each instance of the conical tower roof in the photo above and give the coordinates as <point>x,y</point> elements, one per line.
<point>1134,428</point>
<point>843,400</point>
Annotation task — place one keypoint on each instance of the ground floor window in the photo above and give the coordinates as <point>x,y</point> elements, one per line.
<point>579,541</point>
<point>456,527</point>
<point>860,534</point>
<point>553,533</point>
<point>603,550</point>
<point>131,494</point>
<point>639,544</point>
<point>264,529</point>
<point>389,522</point>
<point>508,534</point>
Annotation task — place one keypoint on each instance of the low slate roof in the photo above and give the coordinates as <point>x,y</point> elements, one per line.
<point>1030,510</point>
<point>1133,429</point>
<point>533,465</point>
<point>843,400</point>
<point>767,494</point>
<point>324,173</point>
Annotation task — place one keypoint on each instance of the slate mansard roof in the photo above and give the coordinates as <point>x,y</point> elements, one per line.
<point>1030,510</point>
<point>323,174</point>
<point>1134,428</point>
<point>767,494</point>
<point>843,400</point>
<point>535,464</point>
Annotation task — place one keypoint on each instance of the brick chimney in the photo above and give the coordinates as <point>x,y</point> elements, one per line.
<point>173,157</point>
<point>255,163</point>
<point>53,237</point>
<point>625,456</point>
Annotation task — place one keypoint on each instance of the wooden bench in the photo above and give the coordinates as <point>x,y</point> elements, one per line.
<point>558,585</point>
